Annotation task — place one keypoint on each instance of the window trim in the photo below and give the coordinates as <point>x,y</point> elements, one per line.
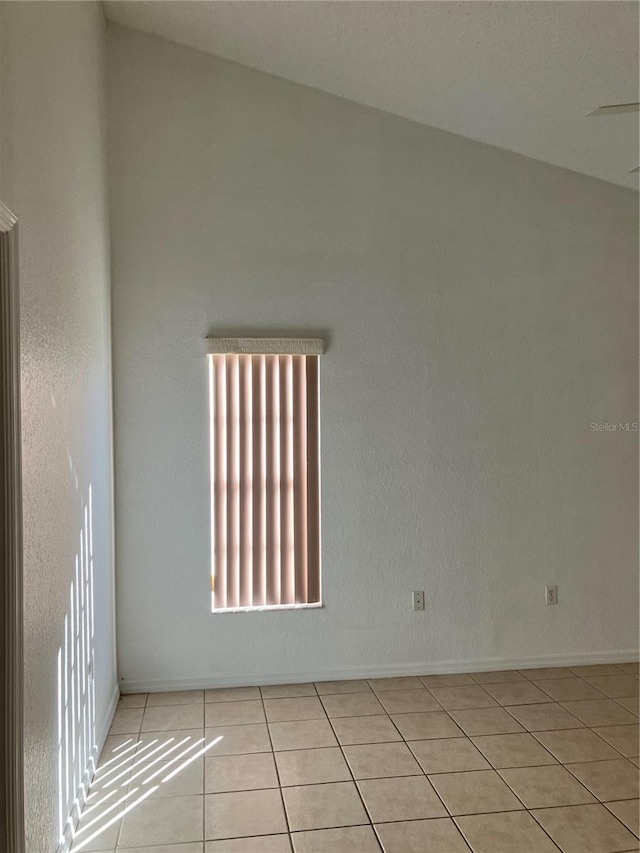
<point>265,346</point>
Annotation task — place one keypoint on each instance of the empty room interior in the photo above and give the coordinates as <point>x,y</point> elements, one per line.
<point>320,426</point>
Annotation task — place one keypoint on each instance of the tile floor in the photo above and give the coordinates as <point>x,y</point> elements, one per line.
<point>529,761</point>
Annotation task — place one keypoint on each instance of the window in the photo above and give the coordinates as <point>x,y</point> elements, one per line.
<point>265,473</point>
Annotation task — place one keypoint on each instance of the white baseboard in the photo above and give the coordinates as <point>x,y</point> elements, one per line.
<point>153,685</point>
<point>101,735</point>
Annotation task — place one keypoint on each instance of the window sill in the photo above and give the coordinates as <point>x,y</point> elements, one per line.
<point>316,605</point>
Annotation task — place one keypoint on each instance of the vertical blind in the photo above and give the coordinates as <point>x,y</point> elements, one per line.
<point>265,478</point>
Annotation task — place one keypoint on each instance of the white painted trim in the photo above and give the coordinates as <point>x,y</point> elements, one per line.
<point>260,608</point>
<point>425,668</point>
<point>108,718</point>
<point>266,346</point>
<point>11,578</point>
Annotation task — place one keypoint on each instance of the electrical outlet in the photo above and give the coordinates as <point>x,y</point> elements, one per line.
<point>418,599</point>
<point>551,594</point>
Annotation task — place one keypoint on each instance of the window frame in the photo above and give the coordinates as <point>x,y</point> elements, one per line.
<point>266,346</point>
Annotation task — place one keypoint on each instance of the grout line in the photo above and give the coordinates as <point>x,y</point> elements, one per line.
<point>353,779</point>
<point>578,806</point>
<point>204,776</point>
<point>517,811</point>
<point>632,831</point>
<point>277,769</point>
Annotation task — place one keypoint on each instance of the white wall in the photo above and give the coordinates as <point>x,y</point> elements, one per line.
<point>482,312</point>
<point>53,176</point>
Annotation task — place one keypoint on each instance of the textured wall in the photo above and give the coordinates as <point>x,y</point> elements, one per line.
<point>482,312</point>
<point>53,176</point>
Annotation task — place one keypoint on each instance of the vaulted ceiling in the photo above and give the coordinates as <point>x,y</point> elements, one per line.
<point>518,75</point>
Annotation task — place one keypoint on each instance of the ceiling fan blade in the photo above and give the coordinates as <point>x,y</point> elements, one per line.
<point>612,109</point>
<point>635,169</point>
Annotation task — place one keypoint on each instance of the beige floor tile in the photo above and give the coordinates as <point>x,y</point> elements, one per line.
<point>167,717</point>
<point>351,839</point>
<point>163,821</point>
<point>408,701</point>
<point>516,693</point>
<point>180,697</point>
<point>132,700</point>
<point>519,750</point>
<point>351,704</point>
<point>323,806</point>
<point>241,778</point>
<point>486,721</point>
<point>497,676</point>
<point>506,832</point>
<point>595,669</point>
<point>567,689</point>
<point>374,729</point>
<point>615,685</point>
<point>126,721</point>
<point>630,668</point>
<point>227,773</point>
<point>539,718</point>
<point>627,811</point>
<point>571,745</point>
<point>476,792</point>
<point>302,734</point>
<point>377,760</point>
<point>257,844</point>
<point>165,746</point>
<point>187,782</point>
<point>190,847</point>
<point>107,780</point>
<point>585,829</point>
<point>116,749</point>
<point>608,780</point>
<point>234,815</point>
<point>94,832</point>
<point>312,766</point>
<point>284,710</point>
<point>287,691</point>
<point>439,835</point>
<point>231,694</point>
<point>237,740</point>
<point>543,787</point>
<point>326,688</point>
<point>626,739</point>
<point>407,682</point>
<point>631,703</point>
<point>600,712</point>
<point>433,724</point>
<point>234,713</point>
<point>454,698</point>
<point>115,746</point>
<point>406,798</point>
<point>458,679</point>
<point>112,779</point>
<point>541,672</point>
<point>447,755</point>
